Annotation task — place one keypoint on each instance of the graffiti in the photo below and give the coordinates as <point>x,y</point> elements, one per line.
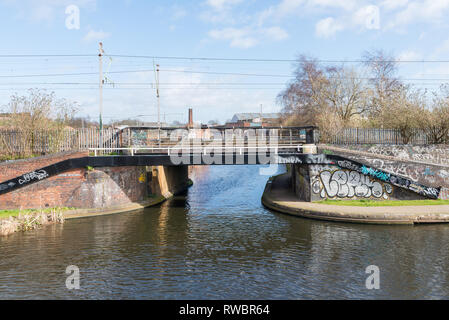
<point>398,174</point>
<point>318,159</point>
<point>376,173</point>
<point>39,175</point>
<point>431,153</point>
<point>6,186</point>
<point>428,172</point>
<point>348,184</point>
<point>289,159</point>
<point>348,165</point>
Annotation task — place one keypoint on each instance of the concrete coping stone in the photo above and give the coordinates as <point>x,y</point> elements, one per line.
<point>279,197</point>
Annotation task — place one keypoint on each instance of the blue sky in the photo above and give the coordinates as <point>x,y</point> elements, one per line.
<point>326,29</point>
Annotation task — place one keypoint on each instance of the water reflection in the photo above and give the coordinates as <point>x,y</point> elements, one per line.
<point>218,242</point>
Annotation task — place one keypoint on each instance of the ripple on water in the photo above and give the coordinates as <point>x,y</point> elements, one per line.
<point>219,242</point>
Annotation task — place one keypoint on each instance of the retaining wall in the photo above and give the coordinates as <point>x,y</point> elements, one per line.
<point>428,165</point>
<point>316,182</point>
<point>89,188</point>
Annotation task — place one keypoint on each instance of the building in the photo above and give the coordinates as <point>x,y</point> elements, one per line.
<point>248,120</point>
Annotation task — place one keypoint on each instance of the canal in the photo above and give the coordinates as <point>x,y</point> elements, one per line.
<point>219,242</point>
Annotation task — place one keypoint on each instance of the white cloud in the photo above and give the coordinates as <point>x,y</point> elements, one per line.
<point>275,33</point>
<point>427,11</point>
<point>393,4</point>
<point>328,27</point>
<point>293,7</point>
<point>409,55</point>
<point>222,4</point>
<point>442,50</point>
<point>342,4</point>
<point>239,38</point>
<point>45,10</point>
<point>248,37</point>
<point>93,35</point>
<point>367,17</point>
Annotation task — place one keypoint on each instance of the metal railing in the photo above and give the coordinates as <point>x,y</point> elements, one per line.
<point>195,150</point>
<point>23,143</point>
<point>377,136</point>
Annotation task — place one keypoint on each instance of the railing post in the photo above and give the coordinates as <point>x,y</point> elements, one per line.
<point>309,136</point>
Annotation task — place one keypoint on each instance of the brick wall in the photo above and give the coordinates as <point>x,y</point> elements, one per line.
<point>13,169</point>
<point>77,188</point>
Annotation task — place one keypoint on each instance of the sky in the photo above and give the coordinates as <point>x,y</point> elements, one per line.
<point>219,57</point>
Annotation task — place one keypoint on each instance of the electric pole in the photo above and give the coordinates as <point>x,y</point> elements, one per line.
<point>100,56</point>
<point>158,105</point>
<point>158,100</point>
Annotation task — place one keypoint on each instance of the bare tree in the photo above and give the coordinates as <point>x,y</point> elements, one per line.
<point>386,85</point>
<point>328,97</point>
<point>435,122</point>
<point>405,112</point>
<point>36,118</point>
<point>302,100</point>
<point>345,93</point>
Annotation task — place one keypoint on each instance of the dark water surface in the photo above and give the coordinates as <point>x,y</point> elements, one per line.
<point>219,242</point>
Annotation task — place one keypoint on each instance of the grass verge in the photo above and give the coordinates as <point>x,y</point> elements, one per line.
<point>386,203</point>
<point>15,213</point>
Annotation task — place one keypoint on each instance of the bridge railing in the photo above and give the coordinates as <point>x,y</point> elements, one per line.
<point>150,136</point>
<point>378,136</point>
<point>15,143</point>
<point>240,149</point>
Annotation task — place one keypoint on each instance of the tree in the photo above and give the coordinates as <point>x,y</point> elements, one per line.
<point>329,97</point>
<point>302,99</point>
<point>435,122</point>
<point>405,112</point>
<point>37,120</point>
<point>345,93</point>
<point>385,84</point>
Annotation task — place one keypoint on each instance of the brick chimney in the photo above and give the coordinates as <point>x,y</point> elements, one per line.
<point>190,125</point>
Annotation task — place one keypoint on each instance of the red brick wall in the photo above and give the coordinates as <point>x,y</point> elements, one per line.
<point>13,169</point>
<point>78,188</point>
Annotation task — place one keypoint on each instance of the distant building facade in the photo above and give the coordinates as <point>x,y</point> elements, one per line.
<point>248,120</point>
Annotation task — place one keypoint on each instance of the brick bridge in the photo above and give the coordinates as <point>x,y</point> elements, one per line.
<point>103,177</point>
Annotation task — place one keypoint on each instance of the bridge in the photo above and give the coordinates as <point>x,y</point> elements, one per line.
<point>314,175</point>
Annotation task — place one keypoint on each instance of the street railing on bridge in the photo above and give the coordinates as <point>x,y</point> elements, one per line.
<point>27,143</point>
<point>378,136</point>
<point>205,149</point>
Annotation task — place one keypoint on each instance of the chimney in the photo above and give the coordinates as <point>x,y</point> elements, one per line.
<point>190,125</point>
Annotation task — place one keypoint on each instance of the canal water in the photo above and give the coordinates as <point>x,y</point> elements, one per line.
<point>219,242</point>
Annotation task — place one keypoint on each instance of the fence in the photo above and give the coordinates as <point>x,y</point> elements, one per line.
<point>19,143</point>
<point>377,136</point>
<point>23,143</point>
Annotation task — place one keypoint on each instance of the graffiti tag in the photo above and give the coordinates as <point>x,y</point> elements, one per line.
<point>348,184</point>
<point>35,175</point>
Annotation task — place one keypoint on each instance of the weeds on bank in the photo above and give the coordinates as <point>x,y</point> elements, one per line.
<point>23,220</point>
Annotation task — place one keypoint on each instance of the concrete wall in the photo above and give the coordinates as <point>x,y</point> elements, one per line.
<point>168,181</point>
<point>428,165</point>
<point>83,188</point>
<point>301,182</point>
<point>430,154</point>
<point>318,182</point>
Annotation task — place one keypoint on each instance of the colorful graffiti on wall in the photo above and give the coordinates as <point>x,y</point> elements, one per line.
<point>331,182</point>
